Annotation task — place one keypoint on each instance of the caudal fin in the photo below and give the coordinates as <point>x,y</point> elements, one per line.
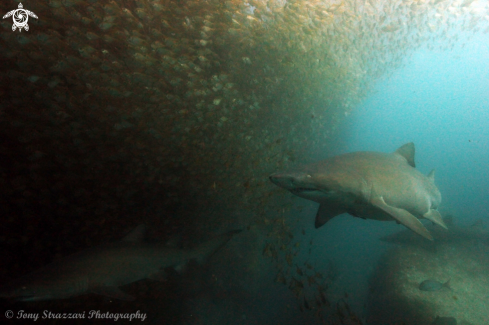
<point>208,248</point>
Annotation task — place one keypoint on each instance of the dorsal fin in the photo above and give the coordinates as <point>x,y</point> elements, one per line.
<point>407,151</point>
<point>431,176</point>
<point>136,235</point>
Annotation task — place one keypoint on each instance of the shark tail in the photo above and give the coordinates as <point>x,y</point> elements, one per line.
<point>208,248</point>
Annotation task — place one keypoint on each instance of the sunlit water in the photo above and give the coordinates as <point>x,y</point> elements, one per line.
<point>440,101</point>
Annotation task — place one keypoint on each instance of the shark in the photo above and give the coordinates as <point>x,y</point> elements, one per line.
<point>368,185</point>
<point>103,269</point>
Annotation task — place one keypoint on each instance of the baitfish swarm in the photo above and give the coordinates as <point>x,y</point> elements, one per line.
<point>110,107</point>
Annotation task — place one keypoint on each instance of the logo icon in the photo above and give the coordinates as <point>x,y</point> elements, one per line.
<point>20,16</point>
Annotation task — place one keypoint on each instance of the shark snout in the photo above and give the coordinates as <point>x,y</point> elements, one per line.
<point>282,180</point>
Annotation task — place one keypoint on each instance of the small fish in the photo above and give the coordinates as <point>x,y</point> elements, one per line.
<point>311,280</point>
<point>299,271</point>
<point>323,297</point>
<point>432,285</point>
<point>288,259</point>
<point>318,302</point>
<point>444,321</point>
<point>281,278</point>
<point>267,251</point>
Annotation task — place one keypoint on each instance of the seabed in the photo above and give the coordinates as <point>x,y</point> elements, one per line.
<point>460,255</point>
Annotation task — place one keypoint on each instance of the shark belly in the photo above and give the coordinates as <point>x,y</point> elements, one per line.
<point>368,212</point>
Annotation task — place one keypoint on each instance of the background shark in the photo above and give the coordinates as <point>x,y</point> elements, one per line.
<point>104,268</point>
<point>476,235</point>
<point>374,185</point>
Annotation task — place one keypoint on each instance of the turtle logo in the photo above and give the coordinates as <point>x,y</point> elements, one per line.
<point>20,16</point>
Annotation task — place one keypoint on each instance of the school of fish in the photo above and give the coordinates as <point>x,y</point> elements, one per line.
<point>108,107</point>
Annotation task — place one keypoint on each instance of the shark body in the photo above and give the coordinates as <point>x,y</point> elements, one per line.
<point>104,268</point>
<point>373,185</point>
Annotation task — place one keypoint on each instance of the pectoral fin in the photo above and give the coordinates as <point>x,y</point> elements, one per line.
<point>434,216</point>
<point>327,212</point>
<point>112,292</point>
<point>403,216</point>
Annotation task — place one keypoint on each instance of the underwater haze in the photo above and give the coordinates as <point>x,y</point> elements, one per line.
<point>146,149</point>
<point>440,101</point>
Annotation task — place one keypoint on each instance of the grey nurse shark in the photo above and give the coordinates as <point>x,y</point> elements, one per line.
<point>104,268</point>
<point>373,185</point>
